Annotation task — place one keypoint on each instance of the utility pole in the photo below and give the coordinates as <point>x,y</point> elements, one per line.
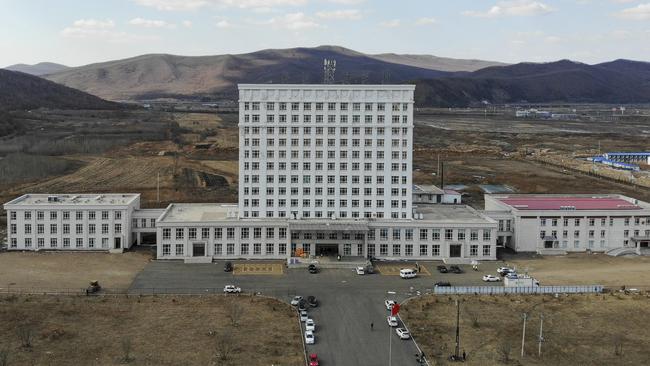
<point>390,347</point>
<point>523,335</point>
<point>541,336</point>
<point>457,353</point>
<point>158,187</point>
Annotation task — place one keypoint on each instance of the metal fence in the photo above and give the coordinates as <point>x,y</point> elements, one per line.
<point>498,290</point>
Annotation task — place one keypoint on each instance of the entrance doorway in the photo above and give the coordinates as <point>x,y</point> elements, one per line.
<point>198,250</point>
<point>548,244</point>
<point>148,239</point>
<point>455,250</point>
<point>327,250</point>
<point>118,243</point>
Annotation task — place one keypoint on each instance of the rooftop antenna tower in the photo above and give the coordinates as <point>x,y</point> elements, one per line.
<point>329,68</point>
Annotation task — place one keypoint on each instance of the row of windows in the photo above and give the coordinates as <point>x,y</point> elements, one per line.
<point>592,221</point>
<point>319,154</point>
<point>423,250</point>
<point>332,142</point>
<point>576,244</point>
<point>229,249</point>
<point>220,233</point>
<point>66,215</point>
<point>591,234</point>
<point>142,223</point>
<point>64,243</point>
<point>307,203</point>
<point>306,166</point>
<point>330,106</point>
<point>328,214</point>
<point>330,179</point>
<point>65,228</point>
<point>334,131</point>
<point>319,118</point>
<point>330,191</point>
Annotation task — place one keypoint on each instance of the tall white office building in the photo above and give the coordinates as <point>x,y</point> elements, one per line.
<point>325,151</point>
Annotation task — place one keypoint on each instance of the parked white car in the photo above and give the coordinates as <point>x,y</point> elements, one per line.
<point>389,304</point>
<point>408,273</point>
<point>403,333</point>
<point>504,270</point>
<point>309,337</point>
<point>392,321</point>
<point>303,316</point>
<point>231,289</point>
<point>296,300</point>
<point>360,270</point>
<point>310,325</point>
<point>491,278</point>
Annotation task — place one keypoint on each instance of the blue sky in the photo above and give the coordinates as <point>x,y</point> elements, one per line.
<point>77,32</point>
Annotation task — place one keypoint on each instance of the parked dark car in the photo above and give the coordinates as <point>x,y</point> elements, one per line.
<point>302,305</point>
<point>442,269</point>
<point>370,269</point>
<point>311,300</point>
<point>227,267</point>
<point>455,269</point>
<point>442,284</point>
<point>312,268</point>
<point>93,288</point>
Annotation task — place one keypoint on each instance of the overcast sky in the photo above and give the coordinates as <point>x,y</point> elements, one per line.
<point>78,32</point>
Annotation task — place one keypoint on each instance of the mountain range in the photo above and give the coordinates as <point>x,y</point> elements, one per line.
<point>41,68</point>
<point>23,91</point>
<point>440,81</point>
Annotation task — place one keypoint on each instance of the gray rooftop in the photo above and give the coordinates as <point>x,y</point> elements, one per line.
<point>451,214</point>
<point>427,189</point>
<point>85,199</point>
<point>196,212</point>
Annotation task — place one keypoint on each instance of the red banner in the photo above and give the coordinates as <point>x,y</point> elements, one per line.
<point>394,310</point>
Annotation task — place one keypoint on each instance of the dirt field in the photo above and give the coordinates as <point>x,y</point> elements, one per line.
<point>69,270</point>
<point>608,329</point>
<point>202,330</point>
<point>586,269</point>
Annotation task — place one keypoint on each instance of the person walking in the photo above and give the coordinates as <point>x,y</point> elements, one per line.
<point>372,326</point>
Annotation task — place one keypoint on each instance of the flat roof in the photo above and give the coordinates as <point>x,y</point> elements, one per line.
<point>427,189</point>
<point>451,214</point>
<point>84,199</point>
<point>569,203</point>
<point>195,212</point>
<point>328,86</point>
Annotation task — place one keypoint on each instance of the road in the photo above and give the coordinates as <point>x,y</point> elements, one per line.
<point>349,303</point>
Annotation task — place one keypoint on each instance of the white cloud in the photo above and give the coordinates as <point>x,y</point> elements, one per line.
<point>94,24</point>
<point>512,8</point>
<point>291,21</point>
<point>393,23</point>
<point>348,14</point>
<point>100,30</point>
<point>151,23</point>
<point>187,24</point>
<point>347,2</point>
<point>223,24</point>
<point>184,5</point>
<point>425,21</point>
<point>639,12</point>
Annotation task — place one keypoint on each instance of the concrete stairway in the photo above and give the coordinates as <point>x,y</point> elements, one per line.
<point>617,252</point>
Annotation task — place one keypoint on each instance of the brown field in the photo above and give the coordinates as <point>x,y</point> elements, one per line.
<point>609,329</point>
<point>588,269</point>
<point>161,330</point>
<point>66,270</point>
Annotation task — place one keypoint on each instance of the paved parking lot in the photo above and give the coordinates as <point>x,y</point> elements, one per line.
<point>393,269</point>
<point>349,303</point>
<point>258,268</point>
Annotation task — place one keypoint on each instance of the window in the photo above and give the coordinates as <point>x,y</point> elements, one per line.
<point>104,215</point>
<point>180,234</point>
<point>486,250</point>
<point>423,250</point>
<point>166,234</point>
<point>118,228</point>
<point>79,215</point>
<point>449,234</point>
<point>435,250</point>
<point>79,243</point>
<point>383,249</point>
<point>473,235</point>
<point>435,234</point>
<point>473,250</point>
<point>408,250</point>
<point>397,249</point>
<point>179,249</point>
<point>396,234</point>
<point>191,233</point>
<point>487,235</point>
<point>424,234</point>
<point>28,215</point>
<point>270,248</point>
<point>54,242</point>
<point>12,215</point>
<point>257,248</point>
<point>244,248</point>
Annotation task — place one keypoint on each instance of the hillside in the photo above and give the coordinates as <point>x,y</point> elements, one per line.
<point>42,68</point>
<point>619,81</point>
<point>437,63</point>
<point>160,75</point>
<point>22,91</point>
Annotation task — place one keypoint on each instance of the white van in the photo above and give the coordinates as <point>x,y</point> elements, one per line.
<point>407,273</point>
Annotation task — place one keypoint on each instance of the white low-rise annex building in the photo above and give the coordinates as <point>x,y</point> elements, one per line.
<point>71,221</point>
<point>560,223</point>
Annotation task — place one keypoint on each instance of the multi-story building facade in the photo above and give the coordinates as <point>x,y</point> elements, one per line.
<point>323,151</point>
<point>71,222</point>
<point>556,224</point>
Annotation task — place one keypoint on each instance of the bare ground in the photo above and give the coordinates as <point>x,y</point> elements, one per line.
<point>68,270</point>
<point>158,331</point>
<point>608,329</point>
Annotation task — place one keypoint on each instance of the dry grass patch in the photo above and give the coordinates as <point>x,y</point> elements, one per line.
<point>609,329</point>
<point>205,330</point>
<point>59,270</point>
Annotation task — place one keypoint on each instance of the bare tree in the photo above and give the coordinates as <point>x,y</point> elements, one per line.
<point>504,351</point>
<point>25,334</point>
<point>127,348</point>
<point>224,348</point>
<point>235,313</point>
